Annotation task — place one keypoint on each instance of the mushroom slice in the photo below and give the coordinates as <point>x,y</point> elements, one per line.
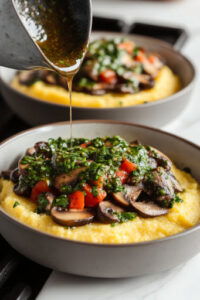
<point>22,190</point>
<point>177,186</point>
<point>30,151</point>
<point>107,212</point>
<point>14,175</point>
<point>152,68</point>
<point>70,178</point>
<point>27,77</point>
<point>43,148</point>
<point>146,81</point>
<point>135,143</point>
<point>148,209</point>
<point>161,158</point>
<point>72,217</point>
<point>50,197</point>
<point>131,193</point>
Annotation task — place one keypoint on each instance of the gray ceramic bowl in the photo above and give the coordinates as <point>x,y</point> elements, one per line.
<point>159,113</point>
<point>102,260</point>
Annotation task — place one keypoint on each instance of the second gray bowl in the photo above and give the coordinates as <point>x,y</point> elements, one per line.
<point>159,113</point>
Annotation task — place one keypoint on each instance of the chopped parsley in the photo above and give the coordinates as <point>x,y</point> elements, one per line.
<point>176,199</point>
<point>16,204</point>
<point>61,201</point>
<point>42,203</point>
<point>125,216</point>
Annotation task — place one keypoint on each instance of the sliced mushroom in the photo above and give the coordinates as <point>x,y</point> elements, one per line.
<point>14,175</point>
<point>148,209</point>
<point>177,186</point>
<point>152,163</point>
<point>146,81</point>
<point>131,193</point>
<point>135,143</point>
<point>22,190</point>
<point>162,159</point>
<point>43,148</point>
<point>30,151</point>
<point>51,79</point>
<point>90,70</point>
<point>50,197</point>
<point>160,186</point>
<point>107,212</point>
<point>72,217</point>
<point>65,179</point>
<point>27,77</point>
<point>152,68</point>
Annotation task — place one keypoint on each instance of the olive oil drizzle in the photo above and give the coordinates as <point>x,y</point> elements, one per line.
<point>69,80</point>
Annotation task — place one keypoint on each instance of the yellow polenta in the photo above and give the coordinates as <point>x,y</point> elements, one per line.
<point>181,216</point>
<point>166,84</point>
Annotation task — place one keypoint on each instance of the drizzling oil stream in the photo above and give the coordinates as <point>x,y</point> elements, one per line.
<point>69,83</point>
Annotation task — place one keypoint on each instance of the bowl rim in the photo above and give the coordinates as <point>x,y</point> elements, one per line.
<point>162,44</point>
<point>48,235</point>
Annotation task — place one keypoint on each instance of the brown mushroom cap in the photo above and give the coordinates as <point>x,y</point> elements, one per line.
<point>30,151</point>
<point>65,179</point>
<point>72,217</point>
<point>106,212</point>
<point>14,175</point>
<point>160,157</point>
<point>149,209</point>
<point>177,186</point>
<point>131,193</point>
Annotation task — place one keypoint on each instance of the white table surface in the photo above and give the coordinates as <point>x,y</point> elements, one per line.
<point>181,283</point>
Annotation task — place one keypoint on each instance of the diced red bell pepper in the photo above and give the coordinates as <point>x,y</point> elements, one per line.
<point>77,200</point>
<point>108,76</point>
<point>123,175</point>
<point>40,188</point>
<point>84,145</point>
<point>140,57</point>
<point>128,166</point>
<point>90,199</point>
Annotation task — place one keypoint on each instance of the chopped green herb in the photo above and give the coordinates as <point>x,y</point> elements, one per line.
<point>95,191</point>
<point>61,201</point>
<point>42,204</point>
<point>16,204</point>
<point>125,216</point>
<point>176,199</point>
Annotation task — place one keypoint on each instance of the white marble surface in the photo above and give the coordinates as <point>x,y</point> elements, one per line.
<point>181,283</point>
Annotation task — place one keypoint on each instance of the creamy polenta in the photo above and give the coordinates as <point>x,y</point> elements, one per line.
<point>166,84</point>
<point>181,217</point>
